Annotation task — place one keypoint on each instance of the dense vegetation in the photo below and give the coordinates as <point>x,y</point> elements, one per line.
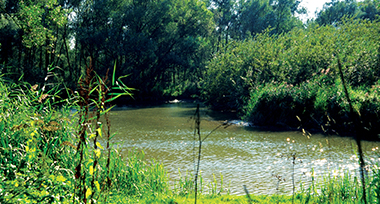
<point>275,79</point>
<point>226,52</point>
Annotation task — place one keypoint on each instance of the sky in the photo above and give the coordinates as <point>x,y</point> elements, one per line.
<point>312,6</point>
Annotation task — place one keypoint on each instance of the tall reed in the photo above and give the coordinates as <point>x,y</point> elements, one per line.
<point>197,134</point>
<point>356,118</point>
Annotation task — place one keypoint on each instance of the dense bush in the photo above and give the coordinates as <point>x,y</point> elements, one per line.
<point>313,104</point>
<point>276,78</point>
<point>275,104</point>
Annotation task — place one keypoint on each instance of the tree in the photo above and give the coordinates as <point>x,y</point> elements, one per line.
<point>157,42</point>
<point>279,15</point>
<point>283,14</point>
<point>225,16</point>
<point>255,17</point>
<point>369,9</point>
<point>31,30</point>
<point>334,11</point>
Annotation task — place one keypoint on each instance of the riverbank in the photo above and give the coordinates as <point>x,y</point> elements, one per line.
<point>333,189</point>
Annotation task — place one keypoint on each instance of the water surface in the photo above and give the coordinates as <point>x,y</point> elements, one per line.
<point>243,155</point>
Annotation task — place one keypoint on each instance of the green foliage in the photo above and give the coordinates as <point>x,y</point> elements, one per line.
<point>280,104</point>
<point>240,19</point>
<point>294,74</point>
<point>34,162</point>
<point>38,19</point>
<point>314,104</point>
<point>45,152</point>
<point>334,12</point>
<point>140,178</point>
<point>157,43</point>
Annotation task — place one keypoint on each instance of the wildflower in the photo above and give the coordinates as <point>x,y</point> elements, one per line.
<point>42,97</point>
<point>60,178</point>
<point>91,170</point>
<point>97,185</point>
<point>99,145</point>
<point>34,88</point>
<point>97,152</point>
<point>327,71</point>
<point>88,192</point>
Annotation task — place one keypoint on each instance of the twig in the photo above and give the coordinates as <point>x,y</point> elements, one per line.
<point>247,193</point>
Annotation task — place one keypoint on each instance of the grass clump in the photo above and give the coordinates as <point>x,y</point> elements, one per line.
<point>35,161</point>
<point>52,151</point>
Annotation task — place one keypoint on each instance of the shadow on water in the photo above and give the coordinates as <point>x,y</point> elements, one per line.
<point>186,109</point>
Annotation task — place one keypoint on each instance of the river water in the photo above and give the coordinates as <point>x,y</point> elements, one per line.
<point>243,155</point>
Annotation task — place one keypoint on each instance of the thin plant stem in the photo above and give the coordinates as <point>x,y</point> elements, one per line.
<point>247,193</point>
<point>358,131</point>
<point>294,186</point>
<point>198,132</point>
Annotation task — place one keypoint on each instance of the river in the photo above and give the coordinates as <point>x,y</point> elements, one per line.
<point>261,160</point>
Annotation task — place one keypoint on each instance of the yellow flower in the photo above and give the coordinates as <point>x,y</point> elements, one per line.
<point>88,192</point>
<point>99,131</point>
<point>92,135</point>
<point>99,145</point>
<point>60,178</point>
<point>91,170</point>
<point>97,152</point>
<point>33,133</point>
<point>97,185</point>
<point>44,193</point>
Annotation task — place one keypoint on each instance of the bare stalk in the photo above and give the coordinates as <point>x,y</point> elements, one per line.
<point>198,132</point>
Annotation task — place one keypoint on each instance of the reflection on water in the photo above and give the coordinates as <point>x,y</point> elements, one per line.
<point>244,156</point>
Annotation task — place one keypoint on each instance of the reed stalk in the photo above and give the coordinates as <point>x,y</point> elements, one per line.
<point>356,122</point>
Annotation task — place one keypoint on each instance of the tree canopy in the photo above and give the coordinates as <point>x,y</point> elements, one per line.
<point>162,45</point>
<point>333,12</point>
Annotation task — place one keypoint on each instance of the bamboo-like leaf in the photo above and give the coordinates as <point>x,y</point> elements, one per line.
<point>113,74</point>
<point>117,96</point>
<point>108,109</point>
<point>94,89</point>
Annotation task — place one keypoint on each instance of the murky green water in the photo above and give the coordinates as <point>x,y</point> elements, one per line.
<point>244,156</point>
